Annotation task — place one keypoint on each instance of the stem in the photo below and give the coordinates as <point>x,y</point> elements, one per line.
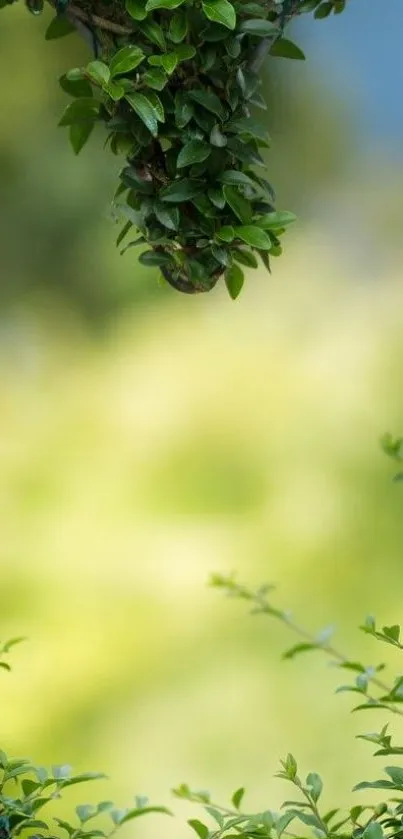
<point>99,22</point>
<point>259,598</point>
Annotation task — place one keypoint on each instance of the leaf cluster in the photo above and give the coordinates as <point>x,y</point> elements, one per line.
<point>176,83</point>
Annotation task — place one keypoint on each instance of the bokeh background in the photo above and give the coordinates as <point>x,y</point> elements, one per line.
<point>147,439</point>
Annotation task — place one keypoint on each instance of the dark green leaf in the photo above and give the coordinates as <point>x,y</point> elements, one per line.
<point>234,177</point>
<point>58,28</point>
<point>136,9</point>
<point>155,79</point>
<point>258,27</point>
<point>184,52</point>
<point>178,28</point>
<point>162,4</point>
<point>181,190</point>
<point>79,134</point>
<point>220,11</point>
<point>85,109</point>
<point>166,215</point>
<point>283,48</point>
<point>209,101</point>
<point>240,206</point>
<point>193,152</point>
<point>154,33</point>
<point>144,110</point>
<point>76,87</point>
<point>234,280</point>
<point>126,60</point>
<point>249,127</point>
<point>217,198</point>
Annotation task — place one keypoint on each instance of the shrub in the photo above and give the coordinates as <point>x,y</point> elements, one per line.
<point>174,83</point>
<point>26,789</point>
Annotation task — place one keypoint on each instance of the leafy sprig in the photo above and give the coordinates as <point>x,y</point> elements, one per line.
<point>175,84</point>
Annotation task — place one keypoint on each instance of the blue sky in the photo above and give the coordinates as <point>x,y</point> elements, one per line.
<point>362,50</point>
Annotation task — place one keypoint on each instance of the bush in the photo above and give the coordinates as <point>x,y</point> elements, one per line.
<point>174,83</point>
<point>26,789</point>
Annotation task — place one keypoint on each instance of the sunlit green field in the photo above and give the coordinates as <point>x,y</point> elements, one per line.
<point>208,436</point>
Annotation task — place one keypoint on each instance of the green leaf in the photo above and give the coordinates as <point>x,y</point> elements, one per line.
<point>149,258</point>
<point>85,812</point>
<point>79,134</point>
<point>154,33</point>
<point>126,60</point>
<point>234,280</point>
<point>381,784</point>
<point>323,10</point>
<point>396,774</point>
<point>240,206</point>
<point>163,4</point>
<point>237,797</point>
<point>85,109</point>
<point>61,772</point>
<point>196,151</point>
<point>209,101</point>
<point>245,257</point>
<point>115,91</point>
<point>98,72</point>
<point>181,190</point>
<point>136,9</point>
<point>184,52</point>
<point>178,28</point>
<point>217,198</point>
<point>155,79</point>
<point>156,103</point>
<point>233,177</point>
<point>220,11</point>
<point>373,831</point>
<point>249,127</point>
<point>169,62</point>
<point>226,233</point>
<point>392,632</point>
<point>58,28</point>
<point>183,111</point>
<point>75,87</point>
<point>200,828</point>
<point>257,26</point>
<point>143,108</point>
<point>276,220</point>
<point>167,216</point>
<point>254,237</point>
<point>283,48</point>
<point>314,781</point>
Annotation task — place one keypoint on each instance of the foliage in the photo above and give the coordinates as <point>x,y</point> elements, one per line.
<point>174,83</point>
<point>26,789</point>
<point>393,447</point>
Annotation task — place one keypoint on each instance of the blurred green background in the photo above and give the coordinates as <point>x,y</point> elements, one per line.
<point>147,439</point>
